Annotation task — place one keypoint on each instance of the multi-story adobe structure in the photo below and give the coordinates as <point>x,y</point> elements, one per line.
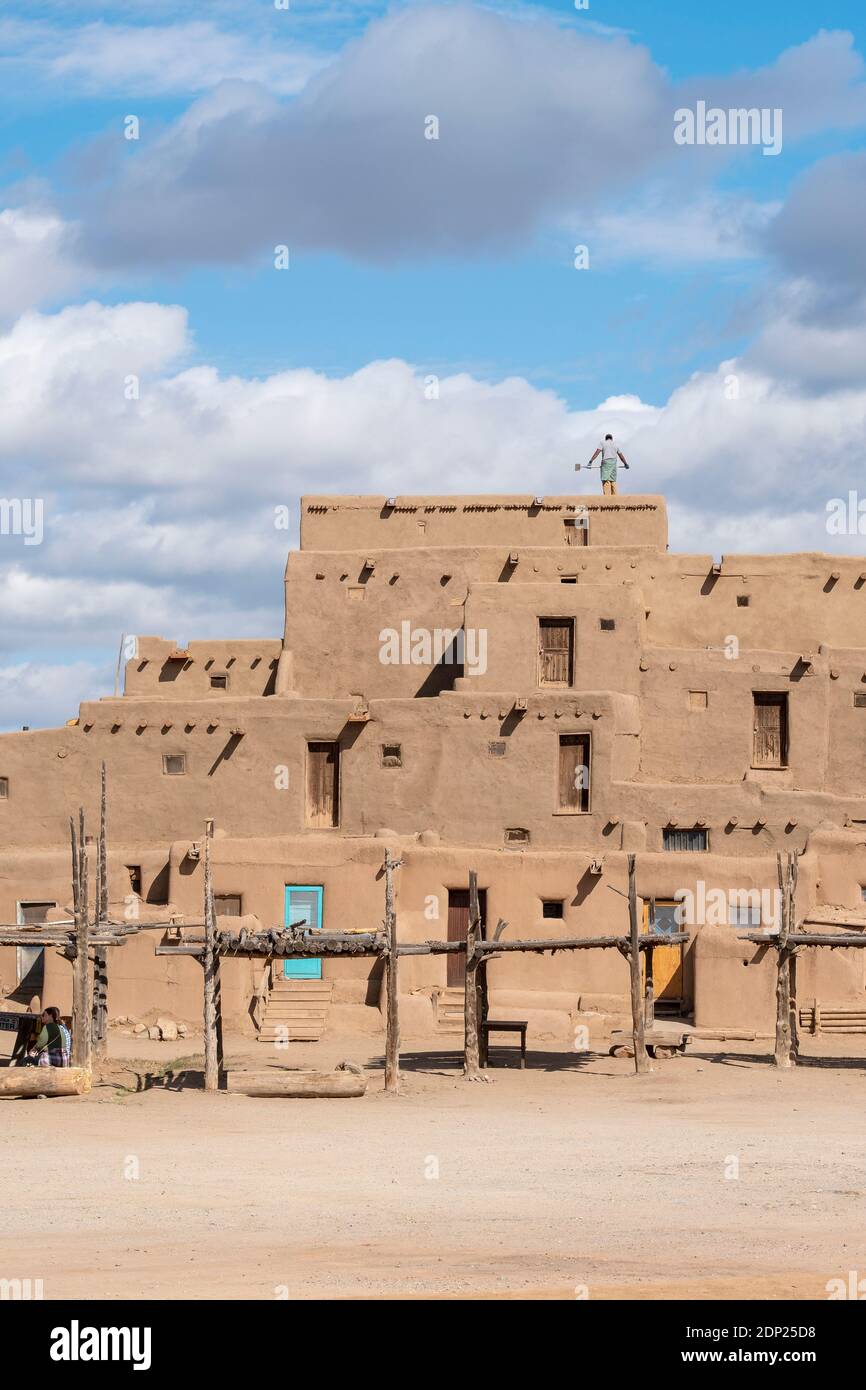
<point>531,688</point>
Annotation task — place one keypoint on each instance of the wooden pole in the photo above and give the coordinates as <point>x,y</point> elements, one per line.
<point>785,1055</point>
<point>641,1060</point>
<point>100,954</point>
<point>210,960</point>
<point>471,1058</point>
<point>392,1016</point>
<point>81,1000</point>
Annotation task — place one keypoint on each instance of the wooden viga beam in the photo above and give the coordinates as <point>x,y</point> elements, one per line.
<point>806,938</point>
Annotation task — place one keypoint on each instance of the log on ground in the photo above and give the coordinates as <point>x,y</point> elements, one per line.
<point>296,1083</point>
<point>44,1081</point>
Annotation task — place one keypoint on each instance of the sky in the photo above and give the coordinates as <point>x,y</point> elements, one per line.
<point>252,249</point>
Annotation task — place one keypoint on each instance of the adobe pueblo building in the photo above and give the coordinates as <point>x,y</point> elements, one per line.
<point>531,688</point>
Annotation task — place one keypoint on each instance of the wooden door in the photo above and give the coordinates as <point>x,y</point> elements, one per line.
<point>573,773</point>
<point>323,785</point>
<point>458,930</point>
<point>770,735</point>
<point>667,960</point>
<point>555,651</point>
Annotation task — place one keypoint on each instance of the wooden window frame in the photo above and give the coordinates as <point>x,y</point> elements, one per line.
<point>686,830</point>
<point>171,756</point>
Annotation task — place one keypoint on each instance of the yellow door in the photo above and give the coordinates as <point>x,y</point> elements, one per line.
<point>667,960</point>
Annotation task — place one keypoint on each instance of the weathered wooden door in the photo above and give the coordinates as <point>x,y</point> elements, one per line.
<point>458,929</point>
<point>573,774</point>
<point>770,747</point>
<point>323,785</point>
<point>555,651</point>
<point>667,960</point>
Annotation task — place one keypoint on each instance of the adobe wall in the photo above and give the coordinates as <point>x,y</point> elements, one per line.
<point>350,523</point>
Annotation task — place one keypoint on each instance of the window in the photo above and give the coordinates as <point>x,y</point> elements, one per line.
<point>323,785</point>
<point>227,904</point>
<point>770,730</point>
<point>496,748</point>
<point>219,682</point>
<point>4,788</point>
<point>555,651</point>
<point>863,891</point>
<point>698,699</point>
<point>859,702</point>
<point>744,600</point>
<point>577,528</point>
<point>174,764</point>
<point>516,835</point>
<point>134,871</point>
<point>552,907</point>
<point>697,839</point>
<point>573,773</point>
<point>30,960</point>
<point>607,624</point>
<point>392,755</point>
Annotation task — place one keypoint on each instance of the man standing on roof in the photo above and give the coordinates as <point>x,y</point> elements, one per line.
<point>609,455</point>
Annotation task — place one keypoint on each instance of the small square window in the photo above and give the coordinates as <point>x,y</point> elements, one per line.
<point>227,904</point>
<point>219,681</point>
<point>552,907</point>
<point>743,600</point>
<point>607,624</point>
<point>174,764</point>
<point>860,699</point>
<point>4,788</point>
<point>516,835</point>
<point>392,755</point>
<point>698,699</point>
<point>497,748</point>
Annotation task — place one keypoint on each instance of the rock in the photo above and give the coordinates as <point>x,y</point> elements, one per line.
<point>154,1034</point>
<point>139,1028</point>
<point>167,1029</point>
<point>182,1030</point>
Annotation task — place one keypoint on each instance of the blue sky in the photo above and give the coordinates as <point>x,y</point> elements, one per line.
<point>153,260</point>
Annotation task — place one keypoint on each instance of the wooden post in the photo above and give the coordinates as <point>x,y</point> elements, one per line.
<point>100,954</point>
<point>641,1060</point>
<point>210,961</point>
<point>786,1025</point>
<point>471,1059</point>
<point>392,1015</point>
<point>81,1001</point>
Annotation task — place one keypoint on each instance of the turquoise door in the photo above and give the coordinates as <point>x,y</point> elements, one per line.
<point>303,904</point>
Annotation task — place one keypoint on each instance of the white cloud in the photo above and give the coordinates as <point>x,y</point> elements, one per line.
<point>38,263</point>
<point>153,60</point>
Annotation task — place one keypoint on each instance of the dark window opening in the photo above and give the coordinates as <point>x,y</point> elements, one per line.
<point>174,764</point>
<point>134,871</point>
<point>227,904</point>
<point>607,624</point>
<point>859,701</point>
<point>552,907</point>
<point>516,835</point>
<point>4,788</point>
<point>497,748</point>
<point>219,682</point>
<point>688,840</point>
<point>392,755</point>
<point>743,600</point>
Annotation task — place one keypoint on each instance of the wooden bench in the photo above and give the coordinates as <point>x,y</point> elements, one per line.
<point>502,1025</point>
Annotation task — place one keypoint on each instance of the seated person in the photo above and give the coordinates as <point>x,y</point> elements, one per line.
<point>51,1048</point>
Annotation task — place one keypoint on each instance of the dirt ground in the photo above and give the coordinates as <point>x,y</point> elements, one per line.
<point>716,1176</point>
